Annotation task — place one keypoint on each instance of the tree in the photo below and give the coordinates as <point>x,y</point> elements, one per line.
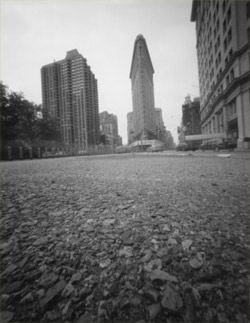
<point>25,116</point>
<point>8,115</point>
<point>19,120</point>
<point>48,128</point>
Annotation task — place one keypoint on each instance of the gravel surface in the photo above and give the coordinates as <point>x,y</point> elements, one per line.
<point>129,238</point>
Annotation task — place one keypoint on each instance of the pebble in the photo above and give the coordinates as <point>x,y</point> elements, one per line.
<point>9,270</point>
<point>40,242</point>
<point>171,299</point>
<point>6,316</point>
<point>135,301</point>
<point>163,252</point>
<point>76,244</point>
<point>68,290</point>
<point>66,308</point>
<point>148,255</point>
<point>108,222</point>
<point>76,277</point>
<point>53,315</point>
<point>27,298</point>
<point>84,292</point>
<point>52,293</point>
<point>105,263</point>
<point>152,294</point>
<point>195,263</point>
<point>154,310</point>
<point>172,241</point>
<point>153,264</point>
<point>186,244</point>
<point>85,318</point>
<point>162,275</point>
<point>126,251</point>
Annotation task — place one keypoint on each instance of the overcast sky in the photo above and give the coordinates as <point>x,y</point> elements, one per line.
<point>37,32</point>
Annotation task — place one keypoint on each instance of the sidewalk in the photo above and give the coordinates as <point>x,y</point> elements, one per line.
<point>199,153</point>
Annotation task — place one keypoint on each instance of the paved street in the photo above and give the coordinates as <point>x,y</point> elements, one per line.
<point>161,237</point>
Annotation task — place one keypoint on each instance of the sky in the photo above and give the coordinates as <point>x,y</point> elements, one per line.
<point>34,33</point>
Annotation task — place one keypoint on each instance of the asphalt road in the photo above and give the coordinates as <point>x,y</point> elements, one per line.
<point>126,238</point>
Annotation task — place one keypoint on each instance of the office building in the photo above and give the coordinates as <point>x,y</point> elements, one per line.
<point>141,75</point>
<point>70,93</point>
<point>109,129</point>
<point>159,120</point>
<point>160,128</point>
<point>191,116</point>
<point>222,32</point>
<point>130,127</point>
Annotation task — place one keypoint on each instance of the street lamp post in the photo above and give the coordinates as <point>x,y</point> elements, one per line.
<point>75,147</point>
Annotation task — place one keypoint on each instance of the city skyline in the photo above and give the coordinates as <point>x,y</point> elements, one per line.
<point>104,32</point>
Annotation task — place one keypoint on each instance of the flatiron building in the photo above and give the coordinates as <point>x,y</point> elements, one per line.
<point>141,75</point>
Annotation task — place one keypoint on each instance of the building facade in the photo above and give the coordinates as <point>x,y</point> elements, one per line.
<point>160,127</point>
<point>130,127</point>
<point>191,116</point>
<point>141,75</point>
<point>109,129</point>
<point>159,120</point>
<point>70,93</point>
<point>222,32</point>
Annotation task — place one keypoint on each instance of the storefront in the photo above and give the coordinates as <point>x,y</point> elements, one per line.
<point>232,127</point>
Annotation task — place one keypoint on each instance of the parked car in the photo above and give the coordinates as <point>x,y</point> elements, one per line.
<point>182,147</point>
<point>155,149</point>
<point>122,149</point>
<point>188,146</point>
<point>218,144</point>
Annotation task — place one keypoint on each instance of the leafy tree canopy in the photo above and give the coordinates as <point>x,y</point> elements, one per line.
<point>20,120</point>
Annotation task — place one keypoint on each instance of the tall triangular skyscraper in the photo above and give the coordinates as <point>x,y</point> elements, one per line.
<point>141,75</point>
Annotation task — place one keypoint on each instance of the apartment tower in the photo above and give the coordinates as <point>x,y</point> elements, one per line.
<point>222,32</point>
<point>141,75</point>
<point>69,93</point>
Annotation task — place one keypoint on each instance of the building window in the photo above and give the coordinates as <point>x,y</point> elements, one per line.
<point>217,24</point>
<point>229,15</point>
<point>217,7</point>
<point>230,54</point>
<point>231,75</point>
<point>224,6</point>
<point>229,36</point>
<point>232,109</point>
<point>225,44</point>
